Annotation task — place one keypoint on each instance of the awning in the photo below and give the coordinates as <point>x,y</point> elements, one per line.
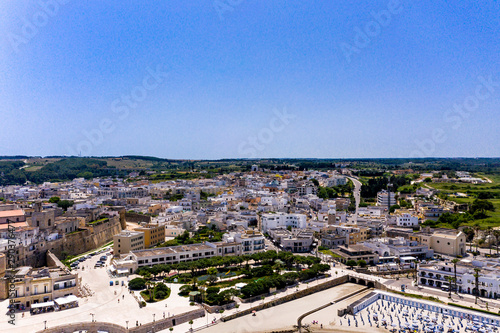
<point>122,271</point>
<point>42,305</point>
<point>66,299</point>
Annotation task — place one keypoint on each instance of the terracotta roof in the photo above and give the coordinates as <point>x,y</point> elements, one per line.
<point>8,213</point>
<point>16,225</point>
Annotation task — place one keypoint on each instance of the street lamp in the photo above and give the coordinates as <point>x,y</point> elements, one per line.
<point>154,314</point>
<point>45,324</point>
<point>127,323</point>
<point>92,314</point>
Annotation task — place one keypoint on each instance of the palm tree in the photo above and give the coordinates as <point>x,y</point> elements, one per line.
<point>476,275</point>
<point>449,279</point>
<point>489,231</point>
<point>278,266</point>
<point>480,243</point>
<point>415,271</point>
<point>496,233</point>
<point>454,262</point>
<point>476,228</point>
<point>150,286</point>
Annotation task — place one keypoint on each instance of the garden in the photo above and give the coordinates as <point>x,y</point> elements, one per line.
<point>215,277</point>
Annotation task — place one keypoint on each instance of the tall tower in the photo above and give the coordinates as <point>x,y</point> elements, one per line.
<point>389,185</point>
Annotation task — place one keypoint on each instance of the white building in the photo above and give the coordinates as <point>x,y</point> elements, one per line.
<point>336,181</point>
<point>383,198</point>
<point>272,221</point>
<point>406,220</point>
<point>251,241</point>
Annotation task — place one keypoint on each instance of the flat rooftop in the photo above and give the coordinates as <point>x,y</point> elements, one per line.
<point>171,250</point>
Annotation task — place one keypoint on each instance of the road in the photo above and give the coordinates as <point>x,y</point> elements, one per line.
<point>464,299</point>
<point>357,197</point>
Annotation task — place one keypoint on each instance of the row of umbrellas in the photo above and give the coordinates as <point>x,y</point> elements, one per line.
<point>404,317</point>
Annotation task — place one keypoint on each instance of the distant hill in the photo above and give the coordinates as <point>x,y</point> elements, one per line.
<point>19,169</point>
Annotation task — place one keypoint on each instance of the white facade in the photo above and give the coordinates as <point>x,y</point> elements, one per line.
<point>251,242</point>
<point>406,220</point>
<point>336,181</point>
<point>383,198</point>
<point>272,221</point>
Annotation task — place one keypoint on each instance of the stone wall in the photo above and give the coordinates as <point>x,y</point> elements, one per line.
<point>216,308</point>
<point>52,261</point>
<point>86,326</point>
<point>290,297</point>
<point>87,239</point>
<point>136,218</point>
<point>94,327</point>
<point>163,324</point>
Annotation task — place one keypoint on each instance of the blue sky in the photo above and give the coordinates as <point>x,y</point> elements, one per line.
<point>238,79</point>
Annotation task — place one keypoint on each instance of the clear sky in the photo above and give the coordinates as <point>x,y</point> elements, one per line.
<point>237,78</point>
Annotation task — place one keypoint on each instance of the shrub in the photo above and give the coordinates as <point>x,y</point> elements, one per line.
<point>186,289</point>
<point>213,290</point>
<point>161,291</point>
<point>137,284</point>
<point>351,263</point>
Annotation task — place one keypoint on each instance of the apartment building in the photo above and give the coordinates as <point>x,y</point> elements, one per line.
<point>172,254</point>
<point>336,181</point>
<point>127,241</point>
<point>39,286</point>
<point>406,220</point>
<point>438,275</point>
<point>251,241</point>
<point>123,192</point>
<point>384,198</point>
<point>273,221</point>
<point>293,241</point>
<point>352,234</point>
<point>306,189</point>
<point>333,240</point>
<point>356,252</point>
<point>153,234</point>
<point>399,248</point>
<point>431,212</point>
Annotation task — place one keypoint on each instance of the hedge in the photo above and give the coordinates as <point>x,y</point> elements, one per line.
<point>474,309</point>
